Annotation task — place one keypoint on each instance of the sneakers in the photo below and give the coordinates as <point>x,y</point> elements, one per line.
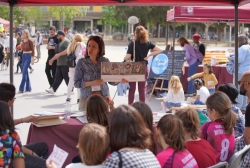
<point>31,70</point>
<point>78,100</point>
<point>50,90</point>
<point>68,99</point>
<point>16,72</point>
<point>19,92</point>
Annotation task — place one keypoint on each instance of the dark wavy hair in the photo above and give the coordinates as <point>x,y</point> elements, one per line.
<point>182,41</point>
<point>6,120</point>
<point>127,129</point>
<point>101,46</point>
<point>7,92</point>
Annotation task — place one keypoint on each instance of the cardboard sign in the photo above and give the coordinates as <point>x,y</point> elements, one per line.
<point>131,71</point>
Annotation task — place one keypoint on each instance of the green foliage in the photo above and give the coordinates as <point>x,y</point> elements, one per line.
<point>109,17</point>
<point>33,14</point>
<point>18,14</point>
<point>67,12</point>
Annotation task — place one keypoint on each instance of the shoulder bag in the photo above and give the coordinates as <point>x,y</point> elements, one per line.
<point>71,60</point>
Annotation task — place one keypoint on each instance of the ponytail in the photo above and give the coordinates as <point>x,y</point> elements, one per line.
<point>221,103</point>
<point>190,120</point>
<point>229,121</point>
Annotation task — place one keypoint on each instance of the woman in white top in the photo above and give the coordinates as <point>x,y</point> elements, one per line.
<point>175,94</point>
<point>79,48</point>
<point>94,146</point>
<point>202,93</point>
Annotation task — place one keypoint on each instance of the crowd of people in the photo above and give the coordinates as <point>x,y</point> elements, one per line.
<point>125,136</point>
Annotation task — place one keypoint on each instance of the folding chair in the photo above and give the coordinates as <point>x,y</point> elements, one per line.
<point>236,159</point>
<point>220,165</point>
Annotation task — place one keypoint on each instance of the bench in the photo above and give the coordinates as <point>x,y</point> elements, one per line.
<point>220,57</point>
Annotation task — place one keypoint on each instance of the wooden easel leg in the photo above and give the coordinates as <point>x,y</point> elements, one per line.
<point>156,81</point>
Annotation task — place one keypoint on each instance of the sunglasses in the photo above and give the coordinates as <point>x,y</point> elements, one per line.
<point>239,82</point>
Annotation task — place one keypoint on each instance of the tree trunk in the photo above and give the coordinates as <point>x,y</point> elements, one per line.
<point>61,22</point>
<point>206,29</point>
<point>186,30</point>
<point>219,34</point>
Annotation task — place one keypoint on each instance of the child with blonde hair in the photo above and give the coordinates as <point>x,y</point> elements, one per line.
<point>175,94</point>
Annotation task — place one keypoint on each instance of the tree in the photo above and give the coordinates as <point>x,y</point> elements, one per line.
<point>110,18</point>
<point>18,14</point>
<point>66,12</point>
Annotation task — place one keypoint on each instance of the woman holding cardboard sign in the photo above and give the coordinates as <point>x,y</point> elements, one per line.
<point>138,51</point>
<point>88,72</point>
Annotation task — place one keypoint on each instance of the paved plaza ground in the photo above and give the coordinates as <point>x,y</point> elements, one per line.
<point>38,100</point>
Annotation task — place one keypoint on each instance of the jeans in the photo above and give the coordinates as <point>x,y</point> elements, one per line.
<point>26,59</point>
<point>50,71</point>
<point>41,149</point>
<point>241,99</point>
<point>71,83</point>
<point>191,71</point>
<point>198,102</point>
<point>170,104</point>
<point>211,90</point>
<point>61,73</point>
<point>141,89</point>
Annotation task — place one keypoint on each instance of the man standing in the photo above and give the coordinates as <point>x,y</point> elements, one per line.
<point>245,90</point>
<point>7,48</point>
<point>38,43</point>
<point>50,70</point>
<point>199,45</point>
<point>62,68</point>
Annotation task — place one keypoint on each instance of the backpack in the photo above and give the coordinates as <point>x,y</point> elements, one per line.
<point>1,53</point>
<point>199,55</point>
<point>71,60</point>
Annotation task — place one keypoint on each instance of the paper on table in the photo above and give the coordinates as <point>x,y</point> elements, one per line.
<point>83,119</point>
<point>58,156</point>
<point>47,113</point>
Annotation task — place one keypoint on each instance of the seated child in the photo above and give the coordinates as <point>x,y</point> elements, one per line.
<point>170,136</point>
<point>202,93</point>
<point>219,132</point>
<point>175,94</point>
<point>208,76</point>
<point>93,146</point>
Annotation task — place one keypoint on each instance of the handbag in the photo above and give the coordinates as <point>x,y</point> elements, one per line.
<point>71,60</point>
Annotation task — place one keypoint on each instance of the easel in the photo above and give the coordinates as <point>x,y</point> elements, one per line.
<point>168,47</point>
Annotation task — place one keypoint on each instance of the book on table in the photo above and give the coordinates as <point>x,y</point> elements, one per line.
<point>49,120</point>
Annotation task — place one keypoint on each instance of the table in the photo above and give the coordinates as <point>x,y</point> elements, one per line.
<point>65,136</point>
<point>220,72</point>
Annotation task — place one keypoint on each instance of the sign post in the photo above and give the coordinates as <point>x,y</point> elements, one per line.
<point>133,20</point>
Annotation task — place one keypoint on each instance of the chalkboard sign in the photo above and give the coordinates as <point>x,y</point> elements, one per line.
<point>161,66</point>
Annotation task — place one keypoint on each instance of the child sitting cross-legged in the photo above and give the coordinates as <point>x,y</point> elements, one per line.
<point>202,93</point>
<point>175,94</point>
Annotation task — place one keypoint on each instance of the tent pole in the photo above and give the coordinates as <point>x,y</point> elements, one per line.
<point>166,33</point>
<point>11,48</point>
<point>173,47</point>
<point>236,43</point>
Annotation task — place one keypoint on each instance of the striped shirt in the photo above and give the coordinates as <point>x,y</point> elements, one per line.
<point>86,71</point>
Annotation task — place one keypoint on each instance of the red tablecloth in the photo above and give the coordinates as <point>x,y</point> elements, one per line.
<point>219,71</point>
<point>65,136</point>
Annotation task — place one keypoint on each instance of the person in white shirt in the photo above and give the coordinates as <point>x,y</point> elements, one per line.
<point>202,93</point>
<point>38,43</point>
<point>175,94</point>
<point>79,48</point>
<point>7,47</point>
<point>94,146</point>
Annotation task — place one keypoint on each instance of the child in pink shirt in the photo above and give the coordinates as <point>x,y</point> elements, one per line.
<point>170,136</point>
<point>220,131</point>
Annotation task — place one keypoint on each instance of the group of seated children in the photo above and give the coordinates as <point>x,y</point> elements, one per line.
<point>179,140</point>
<point>204,88</point>
<point>125,136</point>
